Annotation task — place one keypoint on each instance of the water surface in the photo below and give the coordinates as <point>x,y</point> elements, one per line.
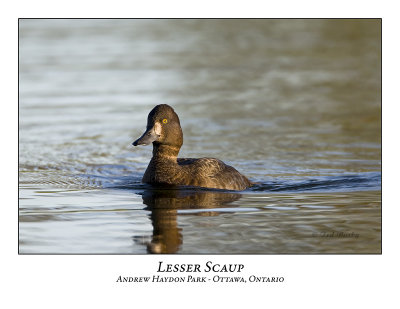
<point>292,104</point>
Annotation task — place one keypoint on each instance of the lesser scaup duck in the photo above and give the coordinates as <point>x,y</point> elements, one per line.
<point>165,132</point>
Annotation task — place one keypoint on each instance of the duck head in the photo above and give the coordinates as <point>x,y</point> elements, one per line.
<point>163,128</point>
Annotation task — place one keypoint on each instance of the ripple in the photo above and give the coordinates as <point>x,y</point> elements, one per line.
<point>365,181</point>
<point>127,177</point>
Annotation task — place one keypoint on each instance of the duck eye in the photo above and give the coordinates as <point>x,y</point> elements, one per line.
<point>165,121</point>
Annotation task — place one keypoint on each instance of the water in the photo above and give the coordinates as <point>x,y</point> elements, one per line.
<point>292,104</point>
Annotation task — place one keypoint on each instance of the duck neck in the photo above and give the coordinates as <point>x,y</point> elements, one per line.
<point>165,152</point>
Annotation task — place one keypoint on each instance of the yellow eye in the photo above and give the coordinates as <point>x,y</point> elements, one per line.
<point>165,121</point>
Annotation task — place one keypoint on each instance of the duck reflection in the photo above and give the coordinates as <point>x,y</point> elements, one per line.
<point>164,205</point>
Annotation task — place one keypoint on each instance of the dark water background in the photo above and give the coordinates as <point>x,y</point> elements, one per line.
<point>292,104</point>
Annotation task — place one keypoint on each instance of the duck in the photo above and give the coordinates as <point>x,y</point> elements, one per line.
<point>164,131</point>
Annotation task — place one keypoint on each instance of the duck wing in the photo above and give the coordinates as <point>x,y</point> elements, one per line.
<point>213,173</point>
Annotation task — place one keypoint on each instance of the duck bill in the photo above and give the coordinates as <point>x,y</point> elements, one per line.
<point>147,138</point>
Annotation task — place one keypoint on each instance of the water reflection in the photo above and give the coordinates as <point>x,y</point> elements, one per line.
<point>164,205</point>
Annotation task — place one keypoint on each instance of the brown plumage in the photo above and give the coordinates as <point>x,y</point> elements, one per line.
<point>165,132</point>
